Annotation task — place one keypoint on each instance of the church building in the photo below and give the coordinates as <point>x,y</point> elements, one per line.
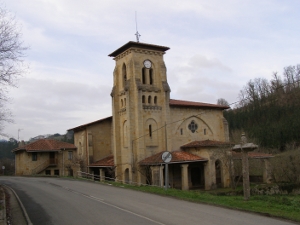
<point>145,122</point>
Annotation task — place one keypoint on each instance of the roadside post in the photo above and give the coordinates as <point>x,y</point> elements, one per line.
<point>166,157</point>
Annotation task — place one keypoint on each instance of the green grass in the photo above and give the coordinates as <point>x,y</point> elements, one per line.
<point>282,206</point>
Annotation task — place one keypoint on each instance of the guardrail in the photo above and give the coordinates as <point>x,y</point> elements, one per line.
<point>91,176</point>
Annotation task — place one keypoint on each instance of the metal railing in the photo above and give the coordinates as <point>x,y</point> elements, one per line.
<point>91,176</point>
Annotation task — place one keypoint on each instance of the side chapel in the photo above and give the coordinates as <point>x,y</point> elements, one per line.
<point>145,122</point>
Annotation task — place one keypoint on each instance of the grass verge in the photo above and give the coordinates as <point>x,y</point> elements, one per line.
<point>281,206</point>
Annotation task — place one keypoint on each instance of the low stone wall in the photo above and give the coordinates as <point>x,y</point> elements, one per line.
<point>276,189</point>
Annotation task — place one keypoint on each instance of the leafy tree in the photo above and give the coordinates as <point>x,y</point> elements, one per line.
<point>12,52</point>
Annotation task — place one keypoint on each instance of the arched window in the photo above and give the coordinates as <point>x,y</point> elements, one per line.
<point>151,76</point>
<point>143,99</point>
<point>150,130</point>
<point>124,75</point>
<point>155,100</point>
<point>149,99</point>
<point>144,75</point>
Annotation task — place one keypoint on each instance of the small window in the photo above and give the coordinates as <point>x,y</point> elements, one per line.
<point>149,99</point>
<point>181,131</point>
<point>121,102</point>
<point>48,172</point>
<point>56,172</point>
<point>143,99</point>
<point>34,156</point>
<point>70,155</point>
<point>124,101</point>
<point>204,131</point>
<point>155,100</point>
<point>193,126</point>
<point>150,131</point>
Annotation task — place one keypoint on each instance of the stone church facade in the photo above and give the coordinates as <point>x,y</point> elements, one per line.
<point>145,122</point>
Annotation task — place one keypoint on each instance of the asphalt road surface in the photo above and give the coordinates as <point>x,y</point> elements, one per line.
<point>61,201</point>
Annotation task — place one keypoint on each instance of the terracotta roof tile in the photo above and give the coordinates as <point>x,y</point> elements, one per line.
<point>105,162</point>
<point>46,145</point>
<point>254,155</point>
<point>206,143</point>
<point>182,103</point>
<point>177,157</point>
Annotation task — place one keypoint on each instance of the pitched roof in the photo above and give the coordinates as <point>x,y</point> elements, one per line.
<point>91,123</point>
<point>46,145</point>
<point>134,44</point>
<point>206,143</point>
<point>181,103</point>
<point>105,162</point>
<point>253,155</point>
<point>177,157</point>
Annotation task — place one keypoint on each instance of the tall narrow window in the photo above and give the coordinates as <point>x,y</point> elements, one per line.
<point>150,131</point>
<point>124,101</point>
<point>149,99</point>
<point>155,100</point>
<point>124,75</point>
<point>121,102</point>
<point>143,99</point>
<point>144,75</point>
<point>151,76</point>
<point>204,131</point>
<point>181,131</point>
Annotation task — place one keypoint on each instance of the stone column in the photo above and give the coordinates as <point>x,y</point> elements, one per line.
<point>102,174</point>
<point>184,177</point>
<point>161,176</point>
<point>208,175</point>
<point>267,174</point>
<point>155,175</point>
<point>246,182</point>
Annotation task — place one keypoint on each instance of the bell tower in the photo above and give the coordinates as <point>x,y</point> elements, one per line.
<point>140,107</point>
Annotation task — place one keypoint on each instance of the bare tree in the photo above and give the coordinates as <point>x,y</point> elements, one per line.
<point>222,101</point>
<point>12,54</point>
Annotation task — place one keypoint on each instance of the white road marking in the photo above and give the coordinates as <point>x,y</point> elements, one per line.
<point>111,205</point>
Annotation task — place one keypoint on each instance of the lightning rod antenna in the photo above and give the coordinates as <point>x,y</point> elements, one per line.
<point>137,33</point>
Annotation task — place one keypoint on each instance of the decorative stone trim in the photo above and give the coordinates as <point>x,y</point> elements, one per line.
<point>138,50</point>
<point>166,86</point>
<point>151,107</point>
<point>122,111</point>
<point>146,87</point>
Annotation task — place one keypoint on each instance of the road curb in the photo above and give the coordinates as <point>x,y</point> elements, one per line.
<point>21,205</point>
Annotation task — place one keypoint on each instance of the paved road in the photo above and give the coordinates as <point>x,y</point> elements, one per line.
<point>61,201</point>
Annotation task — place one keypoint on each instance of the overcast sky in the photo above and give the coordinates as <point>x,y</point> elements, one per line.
<point>216,47</point>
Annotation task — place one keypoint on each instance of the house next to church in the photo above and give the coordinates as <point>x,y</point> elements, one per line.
<point>145,122</point>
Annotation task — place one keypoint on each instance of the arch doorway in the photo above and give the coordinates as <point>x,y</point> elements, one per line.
<point>126,176</point>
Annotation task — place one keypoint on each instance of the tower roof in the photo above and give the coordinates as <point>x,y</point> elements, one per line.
<point>134,44</point>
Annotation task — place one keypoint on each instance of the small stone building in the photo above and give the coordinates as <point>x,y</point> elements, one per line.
<point>46,157</point>
<point>145,122</point>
